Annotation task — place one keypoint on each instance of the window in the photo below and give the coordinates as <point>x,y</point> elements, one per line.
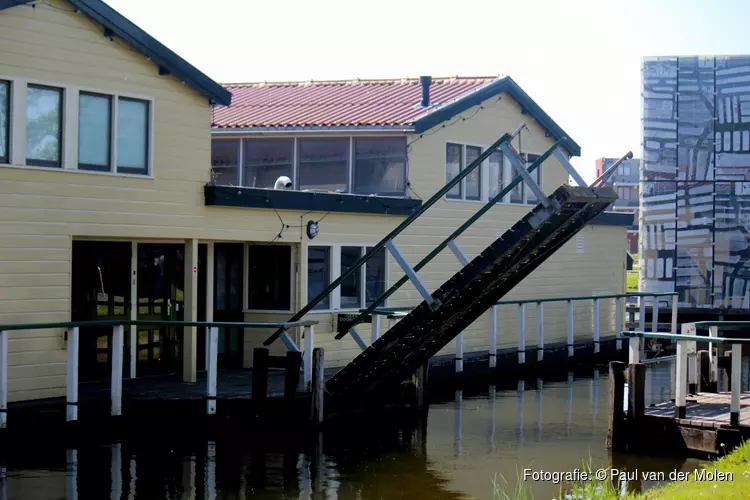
<point>44,126</point>
<point>624,169</point>
<point>453,165</point>
<point>380,166</point>
<point>324,164</point>
<point>375,278</point>
<point>473,180</point>
<point>458,157</point>
<point>269,277</point>
<point>351,288</point>
<point>132,136</point>
<point>318,274</point>
<point>94,132</point>
<point>536,175</point>
<point>496,174</point>
<point>4,121</point>
<point>225,162</point>
<point>266,160</point>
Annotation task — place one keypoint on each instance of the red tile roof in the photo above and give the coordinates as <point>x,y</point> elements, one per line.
<point>374,103</point>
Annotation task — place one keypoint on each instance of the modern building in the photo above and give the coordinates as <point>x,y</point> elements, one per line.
<point>116,203</point>
<point>696,168</point>
<point>625,181</point>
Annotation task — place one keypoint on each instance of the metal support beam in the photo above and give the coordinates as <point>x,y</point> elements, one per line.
<point>520,168</point>
<point>375,328</point>
<point>409,271</point>
<point>460,255</point>
<point>358,338</point>
<point>288,342</point>
<point>569,167</point>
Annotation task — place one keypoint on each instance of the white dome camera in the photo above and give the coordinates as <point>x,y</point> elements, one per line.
<point>283,182</point>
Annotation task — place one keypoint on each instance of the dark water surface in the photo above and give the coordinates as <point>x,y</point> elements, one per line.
<point>467,442</point>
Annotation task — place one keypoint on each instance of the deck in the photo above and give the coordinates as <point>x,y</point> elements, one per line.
<point>708,410</point>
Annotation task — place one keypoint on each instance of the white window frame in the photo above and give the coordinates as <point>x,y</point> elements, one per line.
<point>294,253</point>
<point>70,108</point>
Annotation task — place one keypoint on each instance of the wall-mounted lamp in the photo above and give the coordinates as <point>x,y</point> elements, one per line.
<point>312,229</point>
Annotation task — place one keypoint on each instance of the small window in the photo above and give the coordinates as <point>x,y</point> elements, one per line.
<point>269,277</point>
<point>453,165</point>
<point>473,179</point>
<point>132,136</point>
<point>4,121</point>
<point>266,160</point>
<point>318,274</point>
<point>375,279</point>
<point>380,166</point>
<point>496,174</point>
<point>225,162</point>
<point>44,126</point>
<point>324,164</point>
<point>351,288</point>
<point>536,175</point>
<point>94,131</point>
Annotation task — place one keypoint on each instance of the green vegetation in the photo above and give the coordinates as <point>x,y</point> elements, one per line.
<point>632,281</point>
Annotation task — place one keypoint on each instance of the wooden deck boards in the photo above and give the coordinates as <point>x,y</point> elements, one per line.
<point>706,409</point>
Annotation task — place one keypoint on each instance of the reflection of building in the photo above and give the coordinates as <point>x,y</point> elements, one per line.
<point>696,168</point>
<point>625,181</point>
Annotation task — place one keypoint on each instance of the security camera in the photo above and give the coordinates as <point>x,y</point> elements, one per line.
<point>283,182</point>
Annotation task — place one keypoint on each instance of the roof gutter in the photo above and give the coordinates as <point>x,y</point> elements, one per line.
<point>310,130</point>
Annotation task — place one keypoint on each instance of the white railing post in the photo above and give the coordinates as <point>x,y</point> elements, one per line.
<point>713,356</point>
<point>213,360</point>
<point>655,315</point>
<point>3,379</point>
<point>641,326</point>
<point>375,332</point>
<point>681,379</point>
<point>596,326</point>
<point>117,354</point>
<point>460,353</point>
<point>521,333</point>
<point>571,328</point>
<point>619,327</point>
<point>307,355</point>
<point>734,410</point>
<point>71,377</point>
<point>540,331</point>
<point>673,328</point>
<point>634,350</point>
<point>493,337</point>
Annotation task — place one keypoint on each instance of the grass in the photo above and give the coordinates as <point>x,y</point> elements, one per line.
<point>632,281</point>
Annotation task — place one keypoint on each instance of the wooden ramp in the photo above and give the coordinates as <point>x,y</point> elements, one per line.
<point>470,292</point>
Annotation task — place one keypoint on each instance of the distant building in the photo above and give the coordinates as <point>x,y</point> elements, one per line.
<point>625,181</point>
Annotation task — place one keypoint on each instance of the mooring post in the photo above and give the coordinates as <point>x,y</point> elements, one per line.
<point>636,390</point>
<point>375,328</point>
<point>692,358</point>
<point>118,347</point>
<point>521,333</point>
<point>597,323</point>
<point>318,388</point>
<point>571,327</point>
<point>460,353</point>
<point>493,337</point>
<point>540,331</point>
<point>713,357</point>
<point>213,359</point>
<point>291,377</point>
<point>309,335</point>
<point>3,379</point>
<point>619,327</point>
<point>260,375</point>
<point>420,381</point>
<point>734,410</point>
<point>616,405</point>
<point>681,380</point>
<point>71,376</point>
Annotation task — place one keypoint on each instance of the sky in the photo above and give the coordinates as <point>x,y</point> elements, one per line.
<point>578,59</point>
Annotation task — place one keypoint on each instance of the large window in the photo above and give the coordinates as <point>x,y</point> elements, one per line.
<point>266,160</point>
<point>225,162</point>
<point>132,136</point>
<point>324,164</point>
<point>458,157</point>
<point>473,179</point>
<point>496,177</point>
<point>269,277</point>
<point>454,165</point>
<point>375,278</point>
<point>94,132</point>
<point>351,288</point>
<point>44,126</point>
<point>536,175</point>
<point>318,274</point>
<point>4,121</point>
<point>380,166</point>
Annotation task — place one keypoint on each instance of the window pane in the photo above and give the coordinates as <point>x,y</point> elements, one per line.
<point>351,287</point>
<point>516,194</point>
<point>473,182</point>
<point>270,277</point>
<point>318,274</point>
<point>266,160</point>
<point>323,164</point>
<point>4,121</point>
<point>380,166</point>
<point>496,174</point>
<point>453,166</point>
<point>94,126</point>
<point>537,175</point>
<point>225,162</point>
<point>375,276</point>
<point>132,136</point>
<point>43,126</point>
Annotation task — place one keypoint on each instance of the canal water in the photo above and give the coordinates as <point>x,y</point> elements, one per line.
<point>469,441</point>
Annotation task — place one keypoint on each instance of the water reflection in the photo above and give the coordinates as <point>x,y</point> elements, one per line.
<point>452,452</point>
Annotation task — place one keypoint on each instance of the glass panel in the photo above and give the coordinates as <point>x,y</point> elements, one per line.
<point>143,354</point>
<point>102,358</point>
<point>375,279</point>
<point>732,252</point>
<point>225,160</point>
<point>119,311</point>
<point>221,281</point>
<point>102,341</point>
<point>453,165</point>
<point>4,121</point>
<point>473,180</point>
<point>659,118</point>
<point>324,164</point>
<point>694,244</point>
<point>380,166</point>
<point>43,126</point>
<point>132,136</point>
<point>156,337</point>
<point>536,175</point>
<point>351,287</point>
<point>318,273</point>
<point>157,353</point>
<point>266,160</point>
<point>94,129</point>
<point>235,287</point>
<point>695,117</point>
<point>496,174</point>
<point>143,338</point>
<point>658,256</point>
<point>269,277</point>
<point>730,119</point>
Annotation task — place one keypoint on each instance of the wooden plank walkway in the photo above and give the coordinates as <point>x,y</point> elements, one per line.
<point>706,409</point>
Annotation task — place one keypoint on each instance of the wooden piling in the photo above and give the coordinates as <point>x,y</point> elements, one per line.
<point>615,438</point>
<point>318,388</point>
<point>636,391</point>
<point>703,367</point>
<point>291,376</point>
<point>260,375</point>
<point>420,381</point>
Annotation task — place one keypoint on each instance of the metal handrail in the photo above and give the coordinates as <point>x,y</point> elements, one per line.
<point>126,322</point>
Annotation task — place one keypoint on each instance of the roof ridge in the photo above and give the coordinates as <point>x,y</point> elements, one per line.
<point>349,81</point>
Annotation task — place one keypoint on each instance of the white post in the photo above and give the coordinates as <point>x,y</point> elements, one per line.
<point>3,379</point>
<point>734,411</point>
<point>655,315</point>
<point>571,327</point>
<point>713,355</point>
<point>460,353</point>
<point>681,379</point>
<point>493,337</point>
<point>634,350</point>
<point>673,329</point>
<point>133,347</point>
<point>521,334</point>
<point>641,326</point>
<point>596,326</point>
<point>71,377</point>
<point>375,332</point>
<point>619,327</point>
<point>213,360</point>
<point>210,292</point>
<point>540,331</point>
<point>117,352</point>
<point>307,355</point>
